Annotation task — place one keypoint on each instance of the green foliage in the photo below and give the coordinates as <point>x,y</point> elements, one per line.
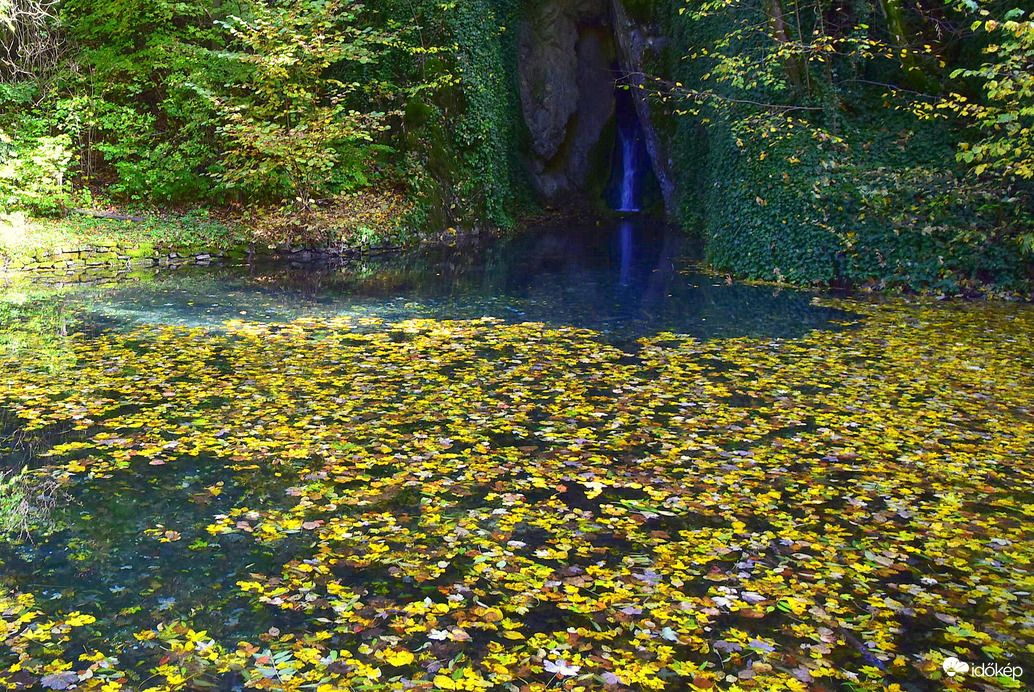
<point>1006,115</point>
<point>171,101</point>
<point>149,168</point>
<point>285,116</point>
<point>808,154</point>
<point>34,174</point>
<point>771,100</point>
<point>462,138</point>
<point>485,131</point>
<point>138,127</point>
<point>1003,117</point>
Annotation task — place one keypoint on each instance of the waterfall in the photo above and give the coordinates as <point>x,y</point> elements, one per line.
<point>627,197</point>
<point>631,185</point>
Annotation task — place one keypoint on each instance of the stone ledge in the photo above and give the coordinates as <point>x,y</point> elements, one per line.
<point>122,257</point>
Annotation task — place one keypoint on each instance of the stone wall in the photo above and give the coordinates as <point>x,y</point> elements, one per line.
<point>118,258</point>
<point>107,257</point>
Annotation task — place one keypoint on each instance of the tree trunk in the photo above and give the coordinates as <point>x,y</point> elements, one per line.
<point>781,34</point>
<point>897,27</point>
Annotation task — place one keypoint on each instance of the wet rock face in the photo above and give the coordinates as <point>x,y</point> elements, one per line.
<point>549,93</point>
<point>633,42</point>
<point>572,53</point>
<point>596,75</point>
<point>566,76</point>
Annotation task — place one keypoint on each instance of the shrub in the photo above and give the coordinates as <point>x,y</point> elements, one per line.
<point>34,174</point>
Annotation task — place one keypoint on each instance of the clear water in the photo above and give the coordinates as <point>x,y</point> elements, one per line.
<point>624,280</point>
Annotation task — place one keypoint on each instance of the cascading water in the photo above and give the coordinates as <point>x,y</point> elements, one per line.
<point>628,169</point>
<point>632,186</point>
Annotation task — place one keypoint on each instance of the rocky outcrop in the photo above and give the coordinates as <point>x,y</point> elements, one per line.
<point>595,77</point>
<point>632,43</point>
<point>548,85</point>
<point>566,79</point>
<point>572,53</point>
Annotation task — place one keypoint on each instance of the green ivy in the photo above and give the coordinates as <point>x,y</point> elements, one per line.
<point>866,193</point>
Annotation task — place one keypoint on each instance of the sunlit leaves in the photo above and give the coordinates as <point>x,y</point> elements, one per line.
<point>1006,113</point>
<point>473,505</point>
<point>286,117</point>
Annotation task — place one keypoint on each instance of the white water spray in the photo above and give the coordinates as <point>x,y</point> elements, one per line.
<point>628,172</point>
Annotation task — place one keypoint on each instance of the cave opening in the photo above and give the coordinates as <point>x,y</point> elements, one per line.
<point>591,140</point>
<point>632,185</point>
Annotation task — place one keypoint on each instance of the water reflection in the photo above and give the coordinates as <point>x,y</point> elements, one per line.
<point>627,279</point>
<point>626,229</point>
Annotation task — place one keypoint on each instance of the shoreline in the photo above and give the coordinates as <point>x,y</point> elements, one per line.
<point>88,249</point>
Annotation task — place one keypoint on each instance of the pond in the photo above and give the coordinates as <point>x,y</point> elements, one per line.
<point>624,280</point>
<point>564,460</point>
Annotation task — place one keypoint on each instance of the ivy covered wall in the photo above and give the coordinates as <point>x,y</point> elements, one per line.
<point>857,190</point>
<point>464,140</point>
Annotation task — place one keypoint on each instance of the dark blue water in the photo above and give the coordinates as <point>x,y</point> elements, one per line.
<point>624,278</point>
<point>132,547</point>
